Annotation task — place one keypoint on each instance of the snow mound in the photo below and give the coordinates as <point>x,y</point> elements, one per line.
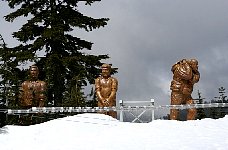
<point>98,131</point>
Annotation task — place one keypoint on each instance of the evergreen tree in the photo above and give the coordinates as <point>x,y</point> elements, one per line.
<point>200,111</point>
<point>10,75</point>
<point>48,31</point>
<point>93,101</point>
<point>222,98</point>
<point>8,80</point>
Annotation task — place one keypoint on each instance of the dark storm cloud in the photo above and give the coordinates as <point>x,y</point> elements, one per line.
<point>144,38</point>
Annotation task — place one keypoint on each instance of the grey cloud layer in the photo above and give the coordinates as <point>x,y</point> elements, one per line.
<point>144,39</point>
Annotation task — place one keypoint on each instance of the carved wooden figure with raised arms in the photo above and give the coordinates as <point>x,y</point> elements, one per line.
<point>185,75</point>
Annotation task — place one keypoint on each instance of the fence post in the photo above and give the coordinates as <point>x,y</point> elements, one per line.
<point>121,110</point>
<point>152,111</point>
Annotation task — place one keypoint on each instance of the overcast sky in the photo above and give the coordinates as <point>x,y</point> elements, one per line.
<point>144,38</point>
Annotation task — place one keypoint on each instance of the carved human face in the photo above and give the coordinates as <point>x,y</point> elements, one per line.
<point>105,72</point>
<point>194,64</point>
<point>34,73</point>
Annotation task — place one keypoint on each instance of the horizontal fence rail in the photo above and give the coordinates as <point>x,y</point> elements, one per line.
<point>102,109</point>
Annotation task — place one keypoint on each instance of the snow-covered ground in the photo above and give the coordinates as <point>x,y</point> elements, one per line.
<point>101,132</point>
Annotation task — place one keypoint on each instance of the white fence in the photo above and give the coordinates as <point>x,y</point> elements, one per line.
<point>122,108</point>
<point>136,116</point>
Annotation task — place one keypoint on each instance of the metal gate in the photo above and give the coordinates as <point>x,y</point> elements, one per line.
<point>134,112</point>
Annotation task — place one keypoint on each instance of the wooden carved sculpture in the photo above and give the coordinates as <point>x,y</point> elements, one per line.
<point>106,88</point>
<point>32,92</point>
<point>185,75</point>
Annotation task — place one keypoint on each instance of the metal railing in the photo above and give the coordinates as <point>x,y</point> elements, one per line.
<point>136,116</point>
<point>101,109</point>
